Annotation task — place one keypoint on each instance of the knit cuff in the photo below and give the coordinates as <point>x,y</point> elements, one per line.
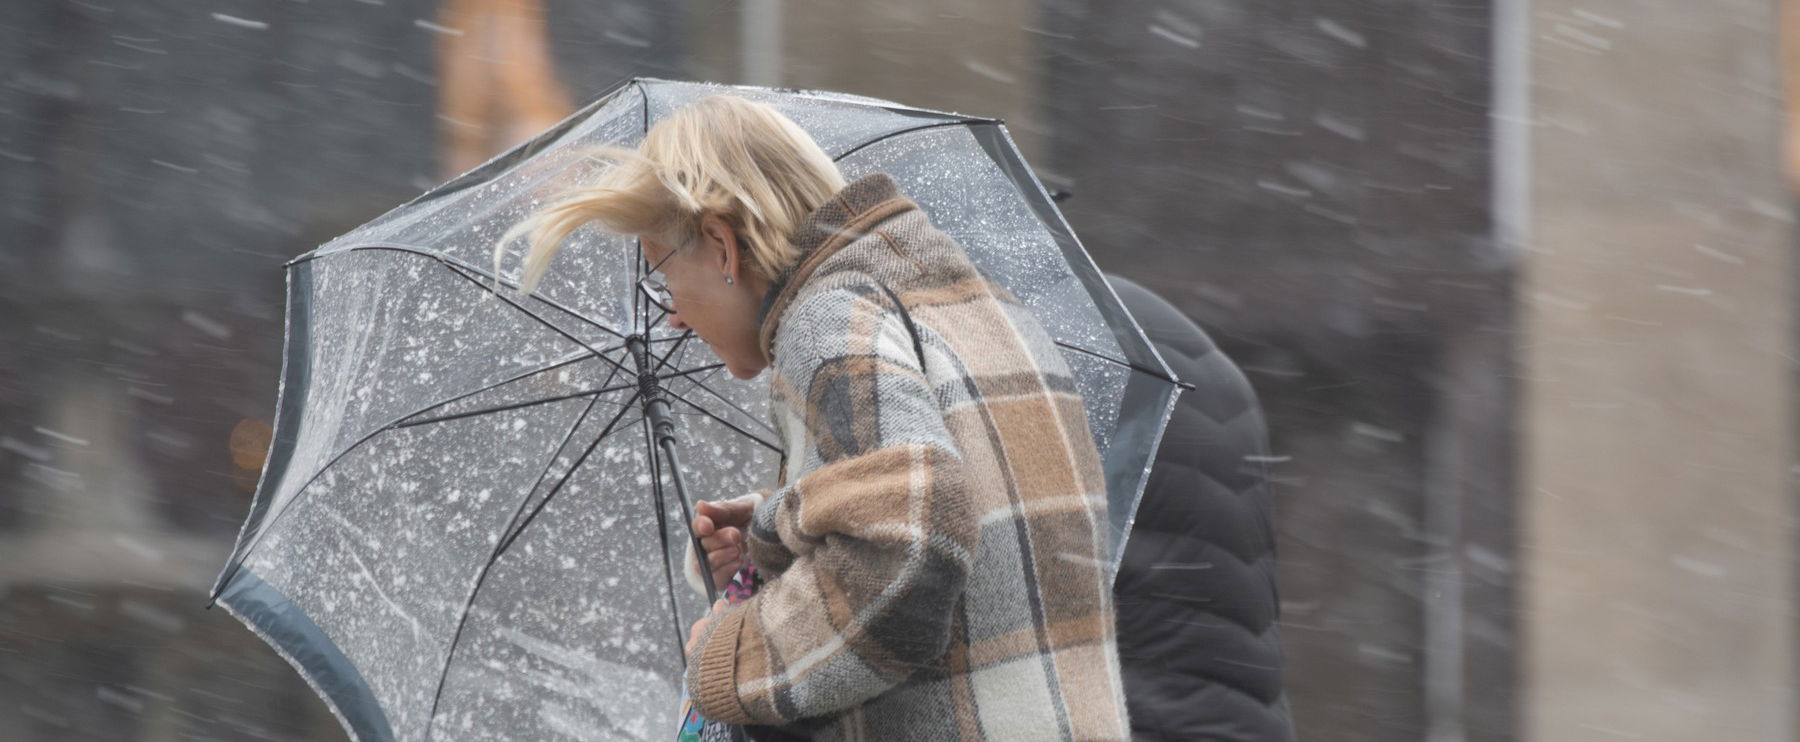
<point>712,676</point>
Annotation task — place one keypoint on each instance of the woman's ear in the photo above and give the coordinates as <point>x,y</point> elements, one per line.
<point>720,235</point>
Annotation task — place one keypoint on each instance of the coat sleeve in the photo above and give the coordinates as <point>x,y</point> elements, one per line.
<point>882,531</point>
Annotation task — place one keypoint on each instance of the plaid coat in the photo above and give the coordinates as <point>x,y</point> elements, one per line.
<point>934,549</point>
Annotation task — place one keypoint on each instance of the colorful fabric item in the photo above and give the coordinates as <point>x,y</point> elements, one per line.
<point>697,728</point>
<point>934,556</point>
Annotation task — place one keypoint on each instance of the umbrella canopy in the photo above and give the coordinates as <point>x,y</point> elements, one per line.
<point>467,529</point>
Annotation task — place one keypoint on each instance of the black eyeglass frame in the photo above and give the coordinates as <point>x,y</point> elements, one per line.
<point>656,291</point>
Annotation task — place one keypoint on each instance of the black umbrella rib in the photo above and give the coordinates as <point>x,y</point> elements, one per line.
<point>514,534</point>
<point>733,405</point>
<point>706,371</point>
<point>1127,364</point>
<point>457,263</point>
<point>623,408</point>
<point>501,547</point>
<point>663,362</point>
<point>519,405</point>
<point>546,323</point>
<point>724,422</point>
<point>576,358</point>
<point>909,130</point>
<point>691,371</point>
<point>662,532</point>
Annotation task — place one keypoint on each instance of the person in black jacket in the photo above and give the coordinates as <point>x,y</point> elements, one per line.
<point>1197,604</point>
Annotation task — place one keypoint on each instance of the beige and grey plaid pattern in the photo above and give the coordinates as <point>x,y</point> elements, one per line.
<point>935,546</point>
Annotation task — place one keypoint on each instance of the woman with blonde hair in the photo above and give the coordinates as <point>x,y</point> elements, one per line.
<point>933,554</point>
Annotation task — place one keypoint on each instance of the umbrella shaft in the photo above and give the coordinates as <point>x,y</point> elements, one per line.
<point>650,391</point>
<point>662,428</point>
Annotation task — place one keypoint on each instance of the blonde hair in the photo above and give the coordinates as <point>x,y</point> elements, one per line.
<point>723,155</point>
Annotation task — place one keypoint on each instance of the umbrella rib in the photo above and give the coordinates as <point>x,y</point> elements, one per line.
<point>909,130</point>
<point>577,357</point>
<point>726,423</point>
<point>1127,364</point>
<point>457,263</point>
<point>501,547</point>
<point>707,370</point>
<point>527,312</point>
<point>662,532</point>
<point>513,535</point>
<point>626,405</point>
<point>518,405</point>
<point>664,360</point>
<point>394,424</point>
<point>746,413</point>
<point>691,371</point>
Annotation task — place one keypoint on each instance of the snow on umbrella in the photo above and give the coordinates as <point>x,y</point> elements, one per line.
<point>471,520</point>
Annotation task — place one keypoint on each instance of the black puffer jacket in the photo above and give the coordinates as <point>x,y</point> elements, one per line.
<point>1197,603</point>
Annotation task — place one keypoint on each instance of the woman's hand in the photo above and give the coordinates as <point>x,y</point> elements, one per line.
<point>720,526</point>
<point>700,626</point>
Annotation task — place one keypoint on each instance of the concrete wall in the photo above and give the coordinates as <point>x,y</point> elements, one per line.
<point>1657,348</point>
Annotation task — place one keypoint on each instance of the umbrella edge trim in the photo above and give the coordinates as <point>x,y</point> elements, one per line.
<point>284,627</point>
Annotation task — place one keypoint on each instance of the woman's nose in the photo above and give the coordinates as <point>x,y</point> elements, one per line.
<point>675,322</point>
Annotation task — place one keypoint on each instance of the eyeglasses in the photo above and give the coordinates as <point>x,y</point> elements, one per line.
<point>658,294</point>
<point>655,290</point>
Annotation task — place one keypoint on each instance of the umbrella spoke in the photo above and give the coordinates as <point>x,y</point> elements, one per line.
<point>706,372</point>
<point>573,428</point>
<point>726,423</point>
<point>519,405</point>
<point>662,531</point>
<point>459,265</point>
<point>535,316</point>
<point>696,370</point>
<point>1126,364</point>
<point>716,395</point>
<point>512,532</point>
<point>921,127</point>
<point>679,345</point>
<point>511,535</point>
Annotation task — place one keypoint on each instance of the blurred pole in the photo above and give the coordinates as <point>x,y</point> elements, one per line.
<point>1443,575</point>
<point>761,42</point>
<point>1511,124</point>
<point>1470,392</point>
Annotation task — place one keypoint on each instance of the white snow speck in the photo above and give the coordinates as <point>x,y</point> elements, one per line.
<point>240,22</point>
<point>1164,32</point>
<point>435,28</point>
<point>1338,31</point>
<point>205,324</point>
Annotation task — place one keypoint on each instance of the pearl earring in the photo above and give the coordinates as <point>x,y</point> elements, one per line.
<point>728,279</point>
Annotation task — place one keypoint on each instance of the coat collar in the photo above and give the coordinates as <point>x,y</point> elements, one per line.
<point>847,215</point>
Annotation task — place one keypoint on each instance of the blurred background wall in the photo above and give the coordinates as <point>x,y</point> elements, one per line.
<point>1516,283</point>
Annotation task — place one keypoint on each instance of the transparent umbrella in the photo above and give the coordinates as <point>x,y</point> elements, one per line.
<point>471,521</point>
